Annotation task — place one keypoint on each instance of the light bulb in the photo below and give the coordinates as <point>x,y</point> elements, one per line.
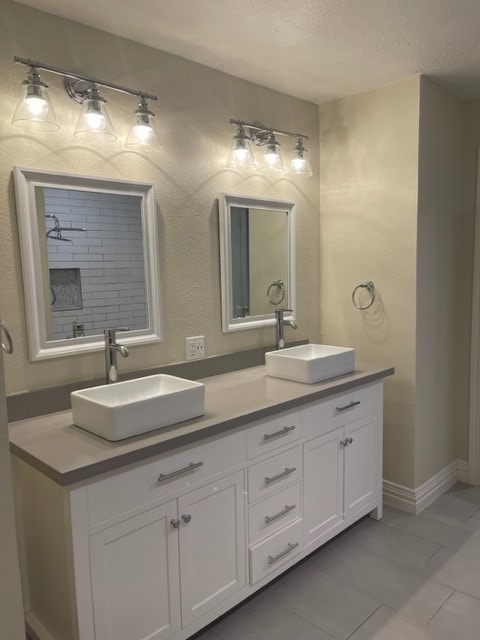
<point>271,158</point>
<point>298,165</point>
<point>241,154</point>
<point>143,132</point>
<point>94,119</point>
<point>37,106</point>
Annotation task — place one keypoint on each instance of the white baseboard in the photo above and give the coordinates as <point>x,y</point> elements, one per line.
<point>463,471</point>
<point>416,500</point>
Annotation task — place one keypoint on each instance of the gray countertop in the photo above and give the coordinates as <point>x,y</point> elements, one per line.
<point>67,454</point>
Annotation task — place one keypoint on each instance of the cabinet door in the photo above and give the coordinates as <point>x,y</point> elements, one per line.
<point>135,577</point>
<point>212,545</point>
<point>323,485</point>
<point>360,464</point>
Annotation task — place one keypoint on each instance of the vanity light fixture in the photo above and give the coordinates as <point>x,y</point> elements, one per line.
<point>34,107</point>
<point>93,121</point>
<point>241,155</point>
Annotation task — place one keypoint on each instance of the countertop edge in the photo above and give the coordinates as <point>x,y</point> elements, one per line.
<point>88,471</point>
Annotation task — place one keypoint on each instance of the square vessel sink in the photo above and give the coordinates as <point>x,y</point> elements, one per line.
<point>124,409</point>
<point>310,363</point>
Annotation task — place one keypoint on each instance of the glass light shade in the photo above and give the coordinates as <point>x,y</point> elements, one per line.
<point>34,110</point>
<point>143,133</point>
<point>241,154</point>
<point>272,158</point>
<point>94,122</point>
<point>299,163</point>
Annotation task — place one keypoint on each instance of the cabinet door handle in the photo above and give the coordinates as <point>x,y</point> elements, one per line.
<point>193,465</point>
<point>175,523</point>
<point>283,474</point>
<point>288,507</point>
<point>186,517</point>
<point>346,442</point>
<point>281,432</point>
<point>290,547</point>
<point>347,406</point>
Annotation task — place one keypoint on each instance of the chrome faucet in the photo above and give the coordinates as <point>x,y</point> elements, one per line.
<point>111,349</point>
<point>280,322</point>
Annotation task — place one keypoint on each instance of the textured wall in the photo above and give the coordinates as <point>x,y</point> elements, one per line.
<point>369,170</point>
<point>443,305</point>
<point>193,112</point>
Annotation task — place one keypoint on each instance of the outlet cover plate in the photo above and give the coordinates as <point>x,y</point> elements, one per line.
<point>195,347</point>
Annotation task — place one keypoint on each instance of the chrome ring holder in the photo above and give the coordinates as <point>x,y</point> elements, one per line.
<point>280,285</point>
<point>370,287</point>
<point>7,346</point>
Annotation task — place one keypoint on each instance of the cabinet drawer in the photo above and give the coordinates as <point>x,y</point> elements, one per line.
<point>270,475</point>
<point>320,418</point>
<point>269,435</point>
<point>270,515</point>
<point>270,554</point>
<point>151,481</point>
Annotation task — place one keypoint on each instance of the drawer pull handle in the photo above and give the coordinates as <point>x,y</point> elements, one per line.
<point>347,406</point>
<point>175,523</point>
<point>347,441</point>
<point>166,476</point>
<point>281,432</point>
<point>287,509</point>
<point>290,547</point>
<point>283,474</point>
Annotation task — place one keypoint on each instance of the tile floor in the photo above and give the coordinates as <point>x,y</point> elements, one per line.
<point>403,578</point>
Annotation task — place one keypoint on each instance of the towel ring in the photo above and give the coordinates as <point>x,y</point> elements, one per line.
<point>7,346</point>
<point>280,285</point>
<point>370,286</point>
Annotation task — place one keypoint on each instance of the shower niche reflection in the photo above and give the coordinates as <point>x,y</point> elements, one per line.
<point>90,261</point>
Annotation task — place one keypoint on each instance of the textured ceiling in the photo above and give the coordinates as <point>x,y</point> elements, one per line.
<point>314,49</point>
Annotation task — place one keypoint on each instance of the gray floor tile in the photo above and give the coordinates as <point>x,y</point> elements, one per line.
<point>458,571</point>
<point>461,501</point>
<point>444,530</point>
<point>321,600</point>
<point>405,589</point>
<point>459,618</point>
<point>261,619</point>
<point>389,542</point>
<point>385,624</point>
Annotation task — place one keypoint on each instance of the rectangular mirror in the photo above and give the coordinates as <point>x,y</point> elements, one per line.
<point>89,249</point>
<point>257,260</point>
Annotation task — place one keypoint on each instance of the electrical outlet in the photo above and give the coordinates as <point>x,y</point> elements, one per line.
<point>195,347</point>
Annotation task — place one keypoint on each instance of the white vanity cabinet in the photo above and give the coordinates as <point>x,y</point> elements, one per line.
<point>158,571</point>
<point>162,547</point>
<point>342,464</point>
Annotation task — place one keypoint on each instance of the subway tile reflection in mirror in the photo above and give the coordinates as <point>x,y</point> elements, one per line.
<point>89,249</point>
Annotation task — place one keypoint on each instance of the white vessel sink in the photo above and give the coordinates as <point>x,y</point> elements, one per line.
<point>124,409</point>
<point>310,363</point>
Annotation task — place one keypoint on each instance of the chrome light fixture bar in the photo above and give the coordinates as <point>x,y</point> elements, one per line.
<point>241,155</point>
<point>84,89</point>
